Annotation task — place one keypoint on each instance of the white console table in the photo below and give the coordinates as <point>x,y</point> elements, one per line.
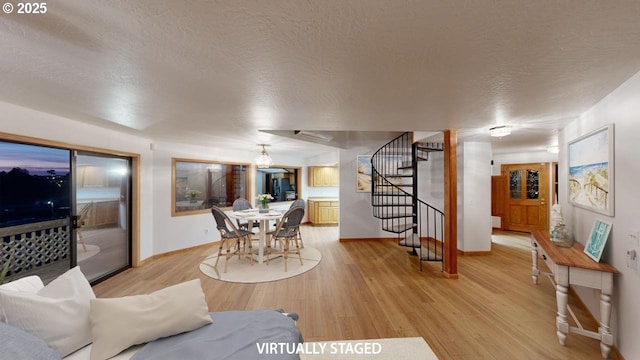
<point>571,266</point>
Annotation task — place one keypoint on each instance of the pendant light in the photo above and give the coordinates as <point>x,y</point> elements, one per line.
<point>263,160</point>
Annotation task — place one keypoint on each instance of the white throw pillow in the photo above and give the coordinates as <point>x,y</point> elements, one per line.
<point>31,284</point>
<point>119,323</point>
<point>58,313</point>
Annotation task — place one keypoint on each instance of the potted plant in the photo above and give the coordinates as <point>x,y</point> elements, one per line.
<point>263,202</point>
<point>5,268</point>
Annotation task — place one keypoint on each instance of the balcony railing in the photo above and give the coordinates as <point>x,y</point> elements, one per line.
<point>35,246</point>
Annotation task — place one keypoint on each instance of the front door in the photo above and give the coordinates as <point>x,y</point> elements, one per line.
<point>526,207</point>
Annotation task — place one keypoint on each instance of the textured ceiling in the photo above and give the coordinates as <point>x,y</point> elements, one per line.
<point>213,72</point>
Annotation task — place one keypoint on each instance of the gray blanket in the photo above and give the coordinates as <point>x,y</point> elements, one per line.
<point>244,335</point>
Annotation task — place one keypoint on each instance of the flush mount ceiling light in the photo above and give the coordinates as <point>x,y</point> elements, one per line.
<point>554,149</point>
<point>263,160</point>
<point>500,131</point>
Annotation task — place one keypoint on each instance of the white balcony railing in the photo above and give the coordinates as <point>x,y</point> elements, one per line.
<point>34,246</point>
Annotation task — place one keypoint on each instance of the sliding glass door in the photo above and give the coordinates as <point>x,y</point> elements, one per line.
<point>35,210</point>
<point>102,202</point>
<point>60,208</point>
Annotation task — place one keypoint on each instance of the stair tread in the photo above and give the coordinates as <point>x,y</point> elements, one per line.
<point>392,205</point>
<point>391,194</point>
<point>412,240</point>
<point>399,228</point>
<point>397,175</point>
<point>429,255</point>
<point>394,216</point>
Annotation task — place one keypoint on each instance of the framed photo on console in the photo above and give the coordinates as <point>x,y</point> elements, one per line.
<point>597,239</point>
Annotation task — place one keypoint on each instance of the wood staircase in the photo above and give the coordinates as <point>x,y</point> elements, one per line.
<point>395,197</point>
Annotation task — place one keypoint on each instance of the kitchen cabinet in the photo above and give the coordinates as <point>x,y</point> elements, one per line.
<point>323,211</point>
<point>101,213</point>
<point>324,176</point>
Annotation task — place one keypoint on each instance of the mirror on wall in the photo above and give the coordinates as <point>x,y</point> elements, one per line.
<point>282,182</point>
<point>200,184</point>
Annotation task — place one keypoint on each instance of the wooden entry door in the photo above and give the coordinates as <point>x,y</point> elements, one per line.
<point>526,206</point>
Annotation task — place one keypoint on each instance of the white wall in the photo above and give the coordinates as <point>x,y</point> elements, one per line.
<point>620,108</point>
<point>431,180</point>
<point>26,122</point>
<point>474,197</point>
<point>474,192</point>
<point>356,214</point>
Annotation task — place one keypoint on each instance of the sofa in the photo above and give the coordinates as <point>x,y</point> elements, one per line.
<point>64,320</point>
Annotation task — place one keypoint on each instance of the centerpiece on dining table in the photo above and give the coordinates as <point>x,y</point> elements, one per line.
<point>263,202</point>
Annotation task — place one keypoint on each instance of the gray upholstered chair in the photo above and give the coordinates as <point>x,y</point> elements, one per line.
<point>299,203</point>
<point>240,204</point>
<point>286,234</point>
<point>231,236</point>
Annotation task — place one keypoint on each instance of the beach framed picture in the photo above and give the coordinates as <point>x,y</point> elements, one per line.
<point>363,173</point>
<point>591,161</point>
<point>597,239</point>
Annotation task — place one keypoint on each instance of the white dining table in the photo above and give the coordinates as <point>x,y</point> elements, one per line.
<point>254,215</point>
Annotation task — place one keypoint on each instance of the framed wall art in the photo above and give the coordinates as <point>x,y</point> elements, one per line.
<point>591,161</point>
<point>597,239</point>
<point>363,173</point>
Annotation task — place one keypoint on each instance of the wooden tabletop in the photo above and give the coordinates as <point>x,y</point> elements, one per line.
<point>573,256</point>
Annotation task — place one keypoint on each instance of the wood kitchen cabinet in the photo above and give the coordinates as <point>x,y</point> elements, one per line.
<point>324,176</point>
<point>323,211</point>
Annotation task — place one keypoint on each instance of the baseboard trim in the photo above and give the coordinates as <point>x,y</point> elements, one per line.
<point>367,239</point>
<point>450,276</point>
<point>174,252</point>
<point>473,253</point>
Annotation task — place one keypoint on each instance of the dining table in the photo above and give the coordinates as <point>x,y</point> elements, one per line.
<point>263,218</point>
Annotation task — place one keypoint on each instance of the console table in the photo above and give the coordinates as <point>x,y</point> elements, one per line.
<point>571,266</point>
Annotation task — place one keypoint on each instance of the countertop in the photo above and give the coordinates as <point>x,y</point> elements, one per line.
<point>322,198</point>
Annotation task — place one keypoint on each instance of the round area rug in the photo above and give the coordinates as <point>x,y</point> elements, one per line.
<point>92,250</point>
<point>241,271</point>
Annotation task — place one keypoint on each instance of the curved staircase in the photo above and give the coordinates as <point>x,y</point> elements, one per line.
<point>395,197</point>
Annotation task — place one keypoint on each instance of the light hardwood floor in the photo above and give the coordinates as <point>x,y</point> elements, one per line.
<point>373,289</point>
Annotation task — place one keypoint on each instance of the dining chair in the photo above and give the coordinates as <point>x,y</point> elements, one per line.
<point>299,203</point>
<point>286,233</point>
<point>240,204</point>
<point>230,233</point>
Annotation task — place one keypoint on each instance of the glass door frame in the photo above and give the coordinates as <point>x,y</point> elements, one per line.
<point>76,210</point>
<point>134,214</point>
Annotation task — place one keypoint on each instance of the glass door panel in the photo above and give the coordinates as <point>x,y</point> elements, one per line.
<point>533,184</point>
<point>35,199</point>
<point>515,184</point>
<point>103,188</point>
